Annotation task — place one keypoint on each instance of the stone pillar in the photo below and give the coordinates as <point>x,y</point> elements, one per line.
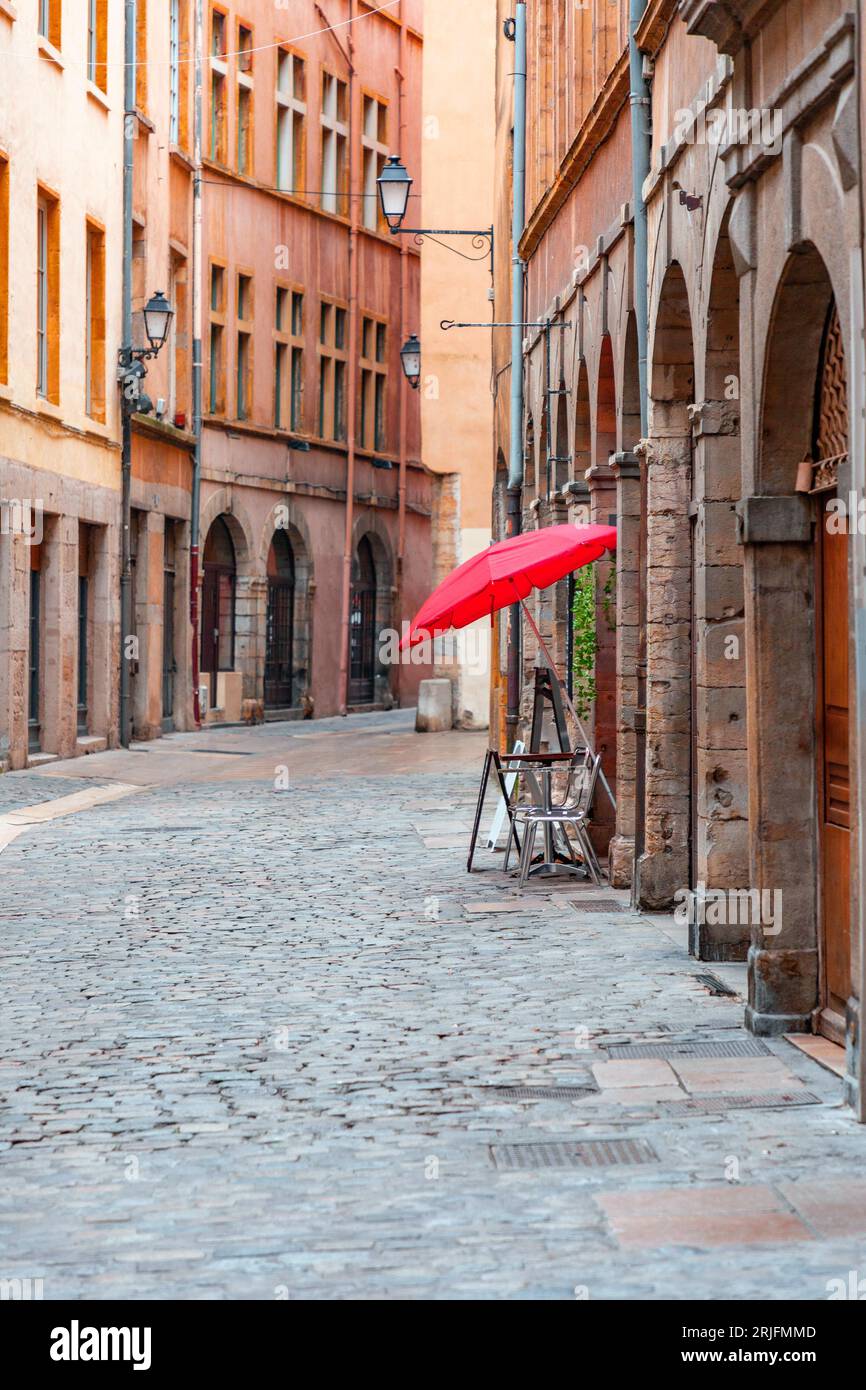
<point>147,695</point>
<point>104,635</point>
<point>625,468</point>
<point>183,693</point>
<point>664,867</point>
<point>60,636</point>
<point>722,850</point>
<point>251,615</point>
<point>780,655</point>
<point>602,493</point>
<point>14,645</point>
<point>560,617</point>
<point>445,530</point>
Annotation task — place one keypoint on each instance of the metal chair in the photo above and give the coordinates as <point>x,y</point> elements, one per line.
<point>578,768</point>
<point>574,811</point>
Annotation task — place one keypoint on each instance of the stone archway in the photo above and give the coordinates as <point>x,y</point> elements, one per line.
<point>287,522</point>
<point>796,583</point>
<point>721,813</point>
<point>603,509</point>
<point>665,867</point>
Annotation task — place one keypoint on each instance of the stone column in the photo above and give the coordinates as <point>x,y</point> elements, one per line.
<point>251,614</point>
<point>147,702</point>
<point>780,642</point>
<point>664,867</point>
<point>183,693</point>
<point>60,636</point>
<point>722,850</point>
<point>14,645</point>
<point>625,468</point>
<point>602,493</point>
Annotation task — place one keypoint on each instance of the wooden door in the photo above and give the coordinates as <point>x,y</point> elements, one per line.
<point>834,784</point>
<point>834,787</point>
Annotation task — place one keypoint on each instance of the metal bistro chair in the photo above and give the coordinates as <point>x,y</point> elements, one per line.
<point>534,780</point>
<point>574,810</point>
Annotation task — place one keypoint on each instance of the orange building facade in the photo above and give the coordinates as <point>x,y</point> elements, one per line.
<point>315,517</point>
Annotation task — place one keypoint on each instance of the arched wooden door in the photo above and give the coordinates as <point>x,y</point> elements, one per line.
<point>279,652</point>
<point>362,627</point>
<point>834,787</point>
<point>218,601</point>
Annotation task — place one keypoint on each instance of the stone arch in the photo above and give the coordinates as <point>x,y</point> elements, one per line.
<point>561,454</point>
<point>225,503</point>
<point>797,623</point>
<point>629,394</point>
<point>582,454</point>
<point>665,865</point>
<point>605,404</point>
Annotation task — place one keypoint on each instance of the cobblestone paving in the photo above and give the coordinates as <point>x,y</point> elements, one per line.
<point>248,1048</point>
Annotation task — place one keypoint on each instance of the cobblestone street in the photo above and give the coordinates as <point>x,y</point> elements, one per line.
<point>257,1042</point>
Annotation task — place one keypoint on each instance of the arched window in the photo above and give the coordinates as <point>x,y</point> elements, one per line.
<point>218,600</point>
<point>279,653</point>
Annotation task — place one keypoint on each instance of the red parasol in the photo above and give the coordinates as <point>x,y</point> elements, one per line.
<point>505,573</point>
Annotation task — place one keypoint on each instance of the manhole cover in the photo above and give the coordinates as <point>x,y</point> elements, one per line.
<point>587,1153</point>
<point>598,905</point>
<point>540,1092</point>
<point>716,986</point>
<point>714,1105</point>
<point>741,1047</point>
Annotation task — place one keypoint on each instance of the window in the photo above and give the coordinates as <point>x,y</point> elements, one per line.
<point>94,385</point>
<point>97,43</point>
<point>335,143</point>
<point>291,121</point>
<point>245,100</point>
<point>289,359</point>
<point>374,138</point>
<point>374,380</point>
<point>141,56</point>
<point>174,64</point>
<point>4,269</point>
<point>332,371</point>
<point>243,363</point>
<point>49,16</point>
<point>178,345</point>
<point>216,373</point>
<point>218,76</point>
<point>48,297</point>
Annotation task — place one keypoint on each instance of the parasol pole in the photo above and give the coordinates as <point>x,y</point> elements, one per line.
<point>576,717</point>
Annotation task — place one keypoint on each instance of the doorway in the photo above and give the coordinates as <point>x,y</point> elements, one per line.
<point>279,652</point>
<point>833,779</point>
<point>218,603</point>
<point>362,627</point>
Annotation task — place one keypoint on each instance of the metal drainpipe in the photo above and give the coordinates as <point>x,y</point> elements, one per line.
<point>130,17</point>
<point>404,333</point>
<point>641,142</point>
<point>197,295</point>
<point>515,464</point>
<point>353,376</point>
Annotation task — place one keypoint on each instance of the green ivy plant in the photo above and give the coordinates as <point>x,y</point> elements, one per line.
<point>608,598</point>
<point>585,642</point>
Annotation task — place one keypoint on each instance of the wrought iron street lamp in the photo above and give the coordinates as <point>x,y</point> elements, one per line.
<point>410,356</point>
<point>394,184</point>
<point>131,370</point>
<point>158,315</point>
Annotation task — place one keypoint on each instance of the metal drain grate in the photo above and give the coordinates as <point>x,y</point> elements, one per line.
<point>741,1047</point>
<point>587,1153</point>
<point>598,905</point>
<point>716,986</point>
<point>220,752</point>
<point>714,1105</point>
<point>540,1092</point>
